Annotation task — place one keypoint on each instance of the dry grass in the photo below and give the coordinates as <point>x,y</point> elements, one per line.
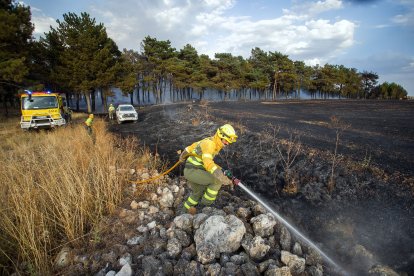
<point>339,126</point>
<point>55,186</point>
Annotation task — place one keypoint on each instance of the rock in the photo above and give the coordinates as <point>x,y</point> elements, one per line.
<point>81,259</point>
<point>380,270</point>
<point>229,210</point>
<point>184,222</point>
<point>206,252</point>
<point>182,237</point>
<point>153,210</point>
<point>193,268</point>
<point>180,267</point>
<point>257,248</point>
<point>213,269</point>
<point>167,198</point>
<point>210,211</point>
<point>145,176</point>
<point>173,247</point>
<point>163,233</point>
<point>224,258</point>
<point>153,197</point>
<point>123,213</point>
<point>167,267</point>
<point>231,269</point>
<point>141,215</point>
<point>297,249</point>
<point>126,270</point>
<point>263,225</point>
<point>315,270</point>
<point>285,238</point>
<point>64,257</point>
<point>109,257</point>
<point>295,263</point>
<point>198,220</point>
<point>223,233</point>
<point>276,271</point>
<point>249,269</point>
<point>134,205</point>
<point>151,265</point>
<point>258,209</point>
<point>175,188</point>
<point>189,252</point>
<point>143,204</point>
<point>142,229</point>
<point>313,257</point>
<point>243,213</point>
<point>151,225</point>
<point>160,246</point>
<point>239,259</point>
<point>263,266</point>
<point>125,259</point>
<point>136,240</point>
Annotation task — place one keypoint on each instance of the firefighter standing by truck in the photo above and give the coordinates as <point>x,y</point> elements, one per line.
<point>111,111</point>
<point>204,176</point>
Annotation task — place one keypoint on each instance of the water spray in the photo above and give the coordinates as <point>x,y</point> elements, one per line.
<point>238,183</point>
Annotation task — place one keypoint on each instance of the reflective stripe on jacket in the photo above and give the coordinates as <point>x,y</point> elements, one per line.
<point>207,149</point>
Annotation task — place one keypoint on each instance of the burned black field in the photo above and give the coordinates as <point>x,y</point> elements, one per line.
<point>355,202</point>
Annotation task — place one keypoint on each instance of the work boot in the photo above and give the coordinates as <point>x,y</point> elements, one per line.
<point>192,211</point>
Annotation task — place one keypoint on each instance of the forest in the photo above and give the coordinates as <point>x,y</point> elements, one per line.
<point>78,57</point>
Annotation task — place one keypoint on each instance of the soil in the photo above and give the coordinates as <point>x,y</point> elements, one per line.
<point>285,153</point>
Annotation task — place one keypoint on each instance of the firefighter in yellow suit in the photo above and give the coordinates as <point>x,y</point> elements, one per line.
<point>204,176</point>
<point>88,124</point>
<point>111,111</point>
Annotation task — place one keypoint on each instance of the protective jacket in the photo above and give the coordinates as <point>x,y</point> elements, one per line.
<point>111,108</point>
<point>205,150</point>
<point>88,122</point>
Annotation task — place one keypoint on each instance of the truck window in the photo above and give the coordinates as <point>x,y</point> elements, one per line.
<point>40,102</point>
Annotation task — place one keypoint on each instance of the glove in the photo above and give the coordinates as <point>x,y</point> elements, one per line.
<point>235,181</point>
<point>183,156</point>
<point>228,173</point>
<point>219,175</point>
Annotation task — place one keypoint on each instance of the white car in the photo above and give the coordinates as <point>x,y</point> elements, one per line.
<point>126,112</point>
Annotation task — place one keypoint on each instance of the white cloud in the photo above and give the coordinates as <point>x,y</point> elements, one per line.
<point>312,8</point>
<point>313,62</point>
<point>406,18</point>
<point>41,22</point>
<point>211,28</point>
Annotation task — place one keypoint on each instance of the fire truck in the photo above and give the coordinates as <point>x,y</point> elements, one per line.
<point>44,110</point>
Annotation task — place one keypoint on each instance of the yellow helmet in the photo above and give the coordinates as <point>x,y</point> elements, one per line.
<point>91,116</point>
<point>227,133</point>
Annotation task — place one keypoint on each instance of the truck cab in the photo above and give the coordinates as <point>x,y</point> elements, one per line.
<point>43,110</point>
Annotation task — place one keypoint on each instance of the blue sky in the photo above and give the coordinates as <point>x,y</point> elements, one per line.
<point>371,35</point>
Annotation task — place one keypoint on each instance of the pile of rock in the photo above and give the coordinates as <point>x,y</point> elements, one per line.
<point>151,237</point>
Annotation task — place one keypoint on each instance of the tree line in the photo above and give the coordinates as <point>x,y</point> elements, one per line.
<point>78,57</point>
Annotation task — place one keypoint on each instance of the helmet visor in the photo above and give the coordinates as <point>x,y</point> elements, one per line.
<point>230,139</point>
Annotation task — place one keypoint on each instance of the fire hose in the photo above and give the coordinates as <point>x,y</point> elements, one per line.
<point>238,183</point>
<point>164,173</point>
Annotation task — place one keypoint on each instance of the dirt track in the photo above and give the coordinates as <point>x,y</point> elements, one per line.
<point>371,204</point>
